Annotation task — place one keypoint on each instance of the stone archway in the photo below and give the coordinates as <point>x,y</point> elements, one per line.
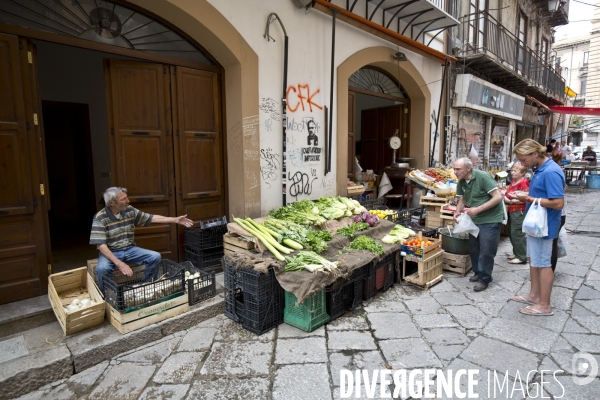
<point>206,25</point>
<point>411,80</point>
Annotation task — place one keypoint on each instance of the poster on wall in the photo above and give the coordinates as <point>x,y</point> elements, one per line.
<point>312,153</point>
<point>471,136</point>
<point>499,143</point>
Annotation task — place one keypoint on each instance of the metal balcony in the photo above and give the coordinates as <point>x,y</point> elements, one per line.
<point>411,18</point>
<point>557,18</point>
<point>491,51</point>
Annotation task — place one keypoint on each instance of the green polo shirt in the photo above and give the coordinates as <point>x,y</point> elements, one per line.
<point>477,192</point>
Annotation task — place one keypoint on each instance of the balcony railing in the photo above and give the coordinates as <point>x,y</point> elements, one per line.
<point>482,34</point>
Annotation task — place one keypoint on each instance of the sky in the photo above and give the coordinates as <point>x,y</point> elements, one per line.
<point>577,12</point>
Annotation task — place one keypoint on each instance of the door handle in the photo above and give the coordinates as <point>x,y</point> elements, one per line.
<point>145,199</point>
<point>141,133</point>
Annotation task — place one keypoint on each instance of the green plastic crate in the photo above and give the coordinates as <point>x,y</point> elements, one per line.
<point>309,315</point>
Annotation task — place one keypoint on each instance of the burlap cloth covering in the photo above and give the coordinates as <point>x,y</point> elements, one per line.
<point>303,283</point>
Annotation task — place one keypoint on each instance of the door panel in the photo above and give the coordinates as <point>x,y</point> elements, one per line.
<point>351,131</point>
<point>199,134</point>
<point>23,258</point>
<point>139,109</point>
<point>368,139</point>
<point>140,143</point>
<point>15,177</point>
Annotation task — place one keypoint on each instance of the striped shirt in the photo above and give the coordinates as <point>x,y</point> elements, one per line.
<point>117,233</point>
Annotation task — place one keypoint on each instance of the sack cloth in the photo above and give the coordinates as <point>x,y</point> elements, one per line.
<point>304,283</point>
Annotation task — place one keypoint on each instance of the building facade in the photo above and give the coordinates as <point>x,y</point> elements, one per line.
<point>182,102</point>
<point>504,80</point>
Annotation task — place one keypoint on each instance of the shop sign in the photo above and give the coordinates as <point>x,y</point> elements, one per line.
<point>475,93</point>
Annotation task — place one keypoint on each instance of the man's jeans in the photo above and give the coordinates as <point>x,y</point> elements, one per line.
<point>130,255</point>
<point>483,250</point>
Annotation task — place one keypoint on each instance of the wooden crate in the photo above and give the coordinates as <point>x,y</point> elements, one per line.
<point>429,271</point>
<point>65,286</point>
<point>457,263</point>
<point>433,219</point>
<point>436,202</point>
<point>128,322</point>
<point>421,253</point>
<point>237,244</point>
<point>92,264</point>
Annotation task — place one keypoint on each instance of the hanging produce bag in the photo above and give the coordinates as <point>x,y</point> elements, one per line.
<point>536,221</point>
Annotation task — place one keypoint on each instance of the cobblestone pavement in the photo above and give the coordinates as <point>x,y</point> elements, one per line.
<point>449,327</point>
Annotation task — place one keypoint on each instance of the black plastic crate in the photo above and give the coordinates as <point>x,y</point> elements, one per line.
<point>425,231</point>
<point>204,259</point>
<point>199,288</point>
<point>346,295</point>
<point>405,217</point>
<point>263,301</point>
<point>370,279</point>
<point>231,292</point>
<point>390,263</point>
<point>145,287</point>
<point>209,235</point>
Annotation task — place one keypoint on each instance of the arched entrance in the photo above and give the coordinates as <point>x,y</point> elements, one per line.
<point>380,106</point>
<point>159,158</point>
<point>409,78</point>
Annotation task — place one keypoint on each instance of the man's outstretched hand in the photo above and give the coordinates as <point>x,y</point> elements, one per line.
<point>182,220</point>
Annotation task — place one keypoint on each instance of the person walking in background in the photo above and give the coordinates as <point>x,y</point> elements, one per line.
<point>547,186</point>
<point>550,147</point>
<point>479,197</point>
<point>516,213</point>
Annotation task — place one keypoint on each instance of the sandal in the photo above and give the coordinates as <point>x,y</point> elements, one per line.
<point>516,261</point>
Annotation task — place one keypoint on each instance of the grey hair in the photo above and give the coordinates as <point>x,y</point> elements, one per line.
<point>466,162</point>
<point>111,194</point>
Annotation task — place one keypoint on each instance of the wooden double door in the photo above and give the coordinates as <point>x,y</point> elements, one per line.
<point>165,138</point>
<point>166,145</point>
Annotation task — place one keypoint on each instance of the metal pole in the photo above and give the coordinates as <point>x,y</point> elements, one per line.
<point>328,167</point>
<point>284,119</point>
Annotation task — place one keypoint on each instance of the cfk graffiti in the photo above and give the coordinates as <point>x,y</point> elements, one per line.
<point>296,97</point>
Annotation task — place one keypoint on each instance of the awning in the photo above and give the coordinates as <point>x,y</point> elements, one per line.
<point>538,103</point>
<point>576,110</point>
<point>569,92</point>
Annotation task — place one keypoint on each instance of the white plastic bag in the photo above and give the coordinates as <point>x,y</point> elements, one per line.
<point>473,152</point>
<point>466,225</point>
<point>562,242</point>
<point>536,221</point>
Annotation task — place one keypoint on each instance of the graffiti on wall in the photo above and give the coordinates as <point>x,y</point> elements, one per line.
<point>271,107</point>
<point>301,183</point>
<point>300,97</point>
<point>271,166</point>
<point>471,136</point>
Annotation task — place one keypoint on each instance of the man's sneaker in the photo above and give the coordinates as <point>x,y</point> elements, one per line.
<point>479,286</point>
<point>474,278</point>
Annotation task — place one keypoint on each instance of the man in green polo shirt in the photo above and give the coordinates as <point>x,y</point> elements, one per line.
<point>479,197</point>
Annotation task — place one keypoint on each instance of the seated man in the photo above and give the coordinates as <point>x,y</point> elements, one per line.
<point>113,230</point>
<point>589,155</point>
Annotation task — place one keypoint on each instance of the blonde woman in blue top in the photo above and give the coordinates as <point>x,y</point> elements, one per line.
<point>547,184</point>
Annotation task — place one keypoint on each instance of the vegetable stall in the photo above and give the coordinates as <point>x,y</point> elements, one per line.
<point>330,248</point>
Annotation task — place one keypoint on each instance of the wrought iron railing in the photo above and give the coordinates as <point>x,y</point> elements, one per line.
<point>482,34</point>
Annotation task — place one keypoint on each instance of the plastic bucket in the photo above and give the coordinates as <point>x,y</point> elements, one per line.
<point>593,181</point>
<point>458,244</point>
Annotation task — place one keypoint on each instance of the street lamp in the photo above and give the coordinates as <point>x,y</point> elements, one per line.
<point>554,5</point>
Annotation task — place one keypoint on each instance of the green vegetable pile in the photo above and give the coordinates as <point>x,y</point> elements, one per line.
<point>310,261</point>
<point>303,212</point>
<point>355,227</point>
<point>367,243</point>
<point>306,236</point>
<point>398,234</point>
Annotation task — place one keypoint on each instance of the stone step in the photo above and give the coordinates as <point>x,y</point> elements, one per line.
<point>32,358</point>
<point>24,315</point>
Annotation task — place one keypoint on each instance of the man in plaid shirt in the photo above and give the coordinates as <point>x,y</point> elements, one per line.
<point>113,233</point>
